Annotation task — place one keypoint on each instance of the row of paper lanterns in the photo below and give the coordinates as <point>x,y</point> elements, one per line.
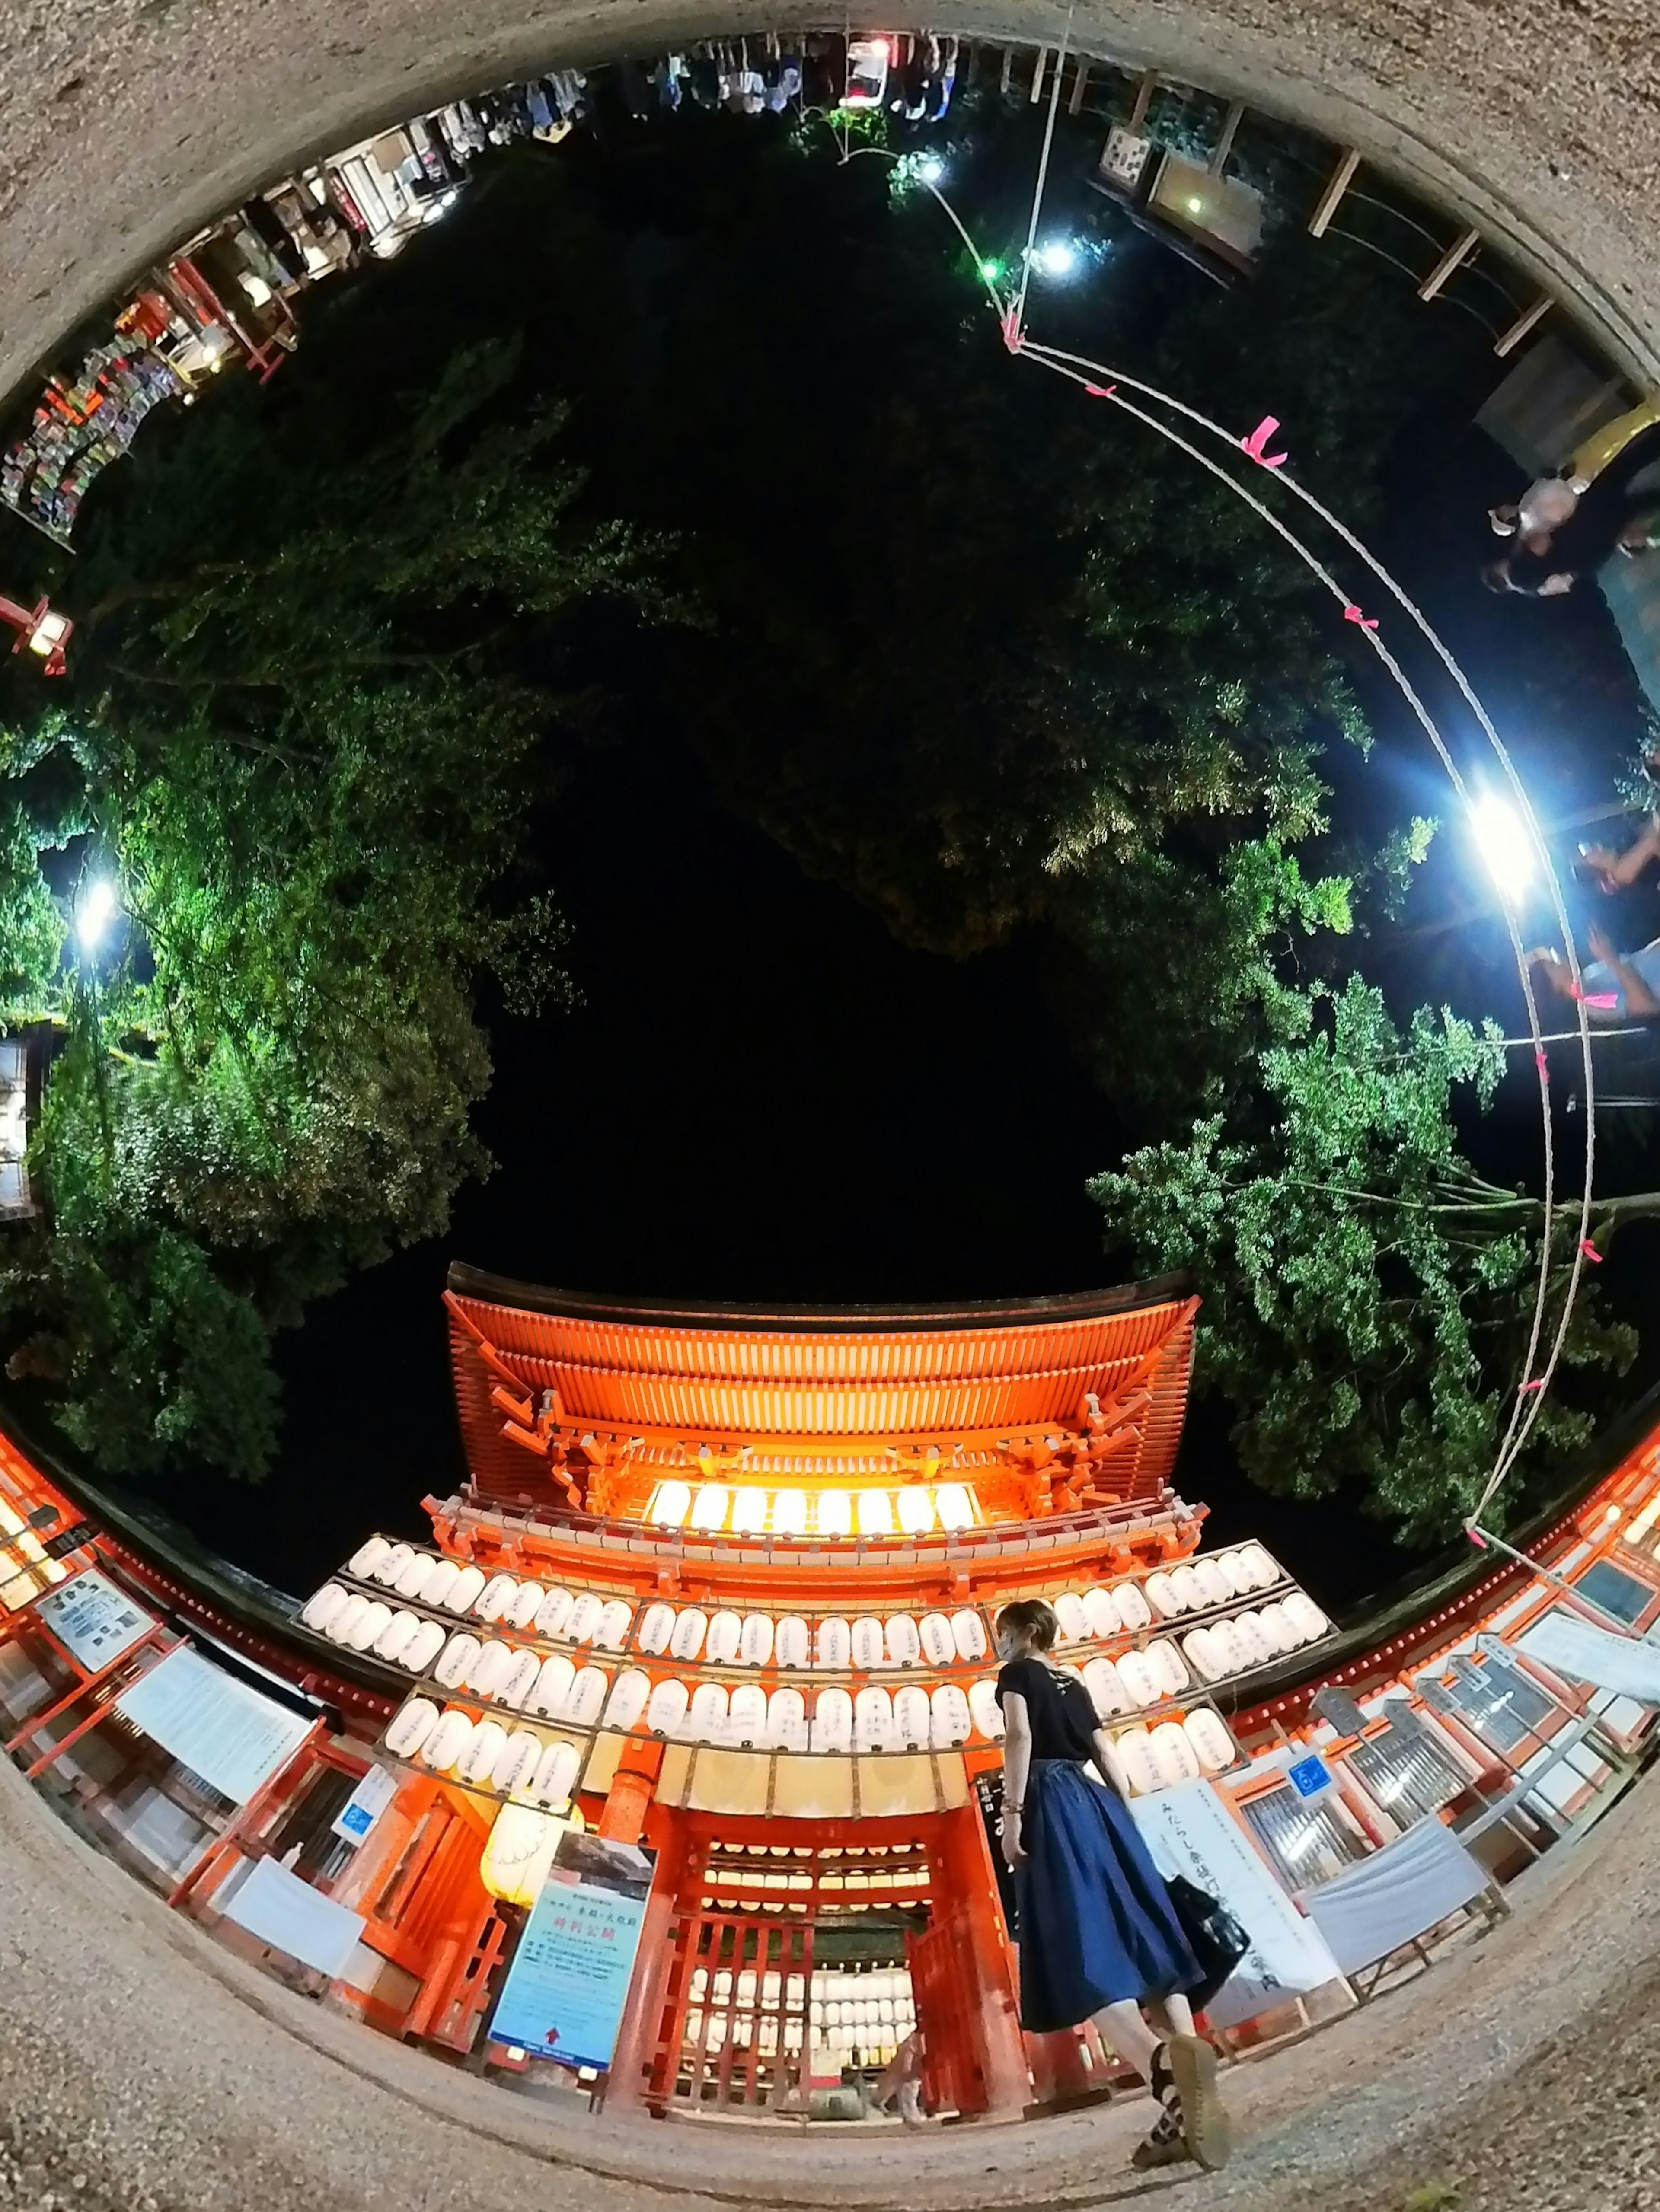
<point>713,1508</point>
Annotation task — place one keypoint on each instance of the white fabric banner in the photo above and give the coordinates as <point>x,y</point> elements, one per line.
<point>1190,1831</point>
<point>230,1736</point>
<point>1584,1653</point>
<point>1403,1891</point>
<point>289,1915</point>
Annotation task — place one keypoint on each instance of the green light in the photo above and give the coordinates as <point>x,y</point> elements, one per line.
<point>991,270</point>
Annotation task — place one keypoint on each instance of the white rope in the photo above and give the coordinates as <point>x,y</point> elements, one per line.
<point>1018,314</point>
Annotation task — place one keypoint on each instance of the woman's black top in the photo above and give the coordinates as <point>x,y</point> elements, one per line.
<point>1058,1706</point>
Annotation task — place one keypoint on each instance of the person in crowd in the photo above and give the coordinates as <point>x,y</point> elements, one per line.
<point>1611,870</point>
<point>1614,987</point>
<point>1546,505</point>
<point>1098,1935</point>
<point>1567,527</point>
<point>900,2084</point>
<point>943,82</point>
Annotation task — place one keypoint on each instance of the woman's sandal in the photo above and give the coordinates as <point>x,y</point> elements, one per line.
<point>1204,2118</point>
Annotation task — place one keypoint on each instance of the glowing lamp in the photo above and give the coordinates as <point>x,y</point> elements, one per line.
<point>1058,258</point>
<point>517,1853</point>
<point>932,170</point>
<point>1506,848</point>
<point>93,912</point>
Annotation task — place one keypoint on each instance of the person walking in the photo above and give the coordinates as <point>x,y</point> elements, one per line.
<point>1098,1935</point>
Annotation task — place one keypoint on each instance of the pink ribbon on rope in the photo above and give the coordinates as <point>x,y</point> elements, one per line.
<point>1590,1251</point>
<point>1605,999</point>
<point>1537,1383</point>
<point>1256,444</point>
<point>1100,391</point>
<point>1354,615</point>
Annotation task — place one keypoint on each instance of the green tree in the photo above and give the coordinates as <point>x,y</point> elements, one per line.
<point>1368,1295</point>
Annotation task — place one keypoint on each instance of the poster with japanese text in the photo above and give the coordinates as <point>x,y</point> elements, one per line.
<point>565,1991</point>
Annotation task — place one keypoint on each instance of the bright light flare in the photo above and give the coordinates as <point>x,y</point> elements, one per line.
<point>1058,258</point>
<point>1506,849</point>
<point>932,170</point>
<point>94,912</point>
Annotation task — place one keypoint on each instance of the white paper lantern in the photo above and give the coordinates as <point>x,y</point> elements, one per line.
<point>707,1721</point>
<point>518,1854</point>
<point>746,1716</point>
<point>1258,1649</point>
<point>690,1628</point>
<point>789,1513</point>
<point>670,1507</point>
<point>1069,1612</point>
<point>955,1507</point>
<point>1135,1748</point>
<point>873,1719</point>
<point>396,1637</point>
<point>710,1507</point>
<point>869,1647</point>
<point>615,1622</point>
<point>517,1761</point>
<point>343,1619</point>
<point>367,1557</point>
<point>656,1626</point>
<point>1100,1614</point>
<point>912,1718</point>
<point>968,1633</point>
<point>553,1683</point>
<point>414,1581</point>
<point>1185,1584</point>
<point>1307,1618</point>
<point>411,1725</point>
<point>1140,1677</point>
<point>832,1721</point>
<point>1107,1692</point>
<point>440,1583</point>
<point>916,1506</point>
<point>1235,1573</point>
<point>464,1590</point>
<point>492,1602</point>
<point>628,1699</point>
<point>1166,1660</point>
<point>490,1669</point>
<point>985,1711</point>
<point>1212,1583</point>
<point>424,1646</point>
<point>387,1570</point>
<point>556,1773</point>
<point>666,1708</point>
<point>938,1644</point>
<point>522,1678</point>
<point>725,1634</point>
<point>755,1643</point>
<point>1277,1629</point>
<point>1259,1566</point>
<point>1174,1755</point>
<point>586,1698</point>
<point>787,1720</point>
<point>792,1642</point>
<point>1211,1741</point>
<point>749,1512</point>
<point>458,1660</point>
<point>523,1605</point>
<point>833,1645</point>
<point>1227,1640</point>
<point>322,1606</point>
<point>835,1514</point>
<point>1205,1655</point>
<point>951,1722</point>
<point>554,1612</point>
<point>902,1644</point>
<point>1133,1612</point>
<point>1161,1597</point>
<point>585,1615</point>
<point>446,1743</point>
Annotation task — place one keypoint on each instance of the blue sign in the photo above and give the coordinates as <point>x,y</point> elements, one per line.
<point>565,1991</point>
<point>1310,1776</point>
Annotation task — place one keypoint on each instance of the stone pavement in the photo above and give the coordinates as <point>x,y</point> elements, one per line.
<point>126,124</point>
<point>143,2069</point>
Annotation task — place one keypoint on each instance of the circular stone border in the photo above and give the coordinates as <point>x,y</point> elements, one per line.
<point>128,124</point>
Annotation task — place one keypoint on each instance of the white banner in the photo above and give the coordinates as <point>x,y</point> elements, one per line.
<point>1397,1894</point>
<point>93,1621</point>
<point>291,1916</point>
<point>1189,1831</point>
<point>230,1736</point>
<point>1582,1652</point>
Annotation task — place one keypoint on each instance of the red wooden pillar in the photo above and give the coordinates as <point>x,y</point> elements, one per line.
<point>966,1887</point>
<point>629,1799</point>
<point>660,1966</point>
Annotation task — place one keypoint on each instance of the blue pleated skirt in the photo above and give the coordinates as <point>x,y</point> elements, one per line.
<point>1095,1921</point>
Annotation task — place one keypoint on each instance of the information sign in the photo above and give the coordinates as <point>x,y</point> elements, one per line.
<point>565,1991</point>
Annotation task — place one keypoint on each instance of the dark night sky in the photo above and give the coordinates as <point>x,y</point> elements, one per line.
<point>763,1097</point>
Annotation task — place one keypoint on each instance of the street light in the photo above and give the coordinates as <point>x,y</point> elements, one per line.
<point>1058,258</point>
<point>93,910</point>
<point>932,170</point>
<point>1502,839</point>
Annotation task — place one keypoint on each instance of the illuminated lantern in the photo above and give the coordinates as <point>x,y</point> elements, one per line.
<point>670,1505</point>
<point>1174,1755</point>
<point>833,1645</point>
<point>345,1618</point>
<point>395,1638</point>
<point>320,1609</point>
<point>517,1761</point>
<point>1185,1583</point>
<point>554,1613</point>
<point>630,1694</point>
<point>787,1720</point>
<point>951,1723</point>
<point>985,1711</point>
<point>1305,1617</point>
<point>746,1718</point>
<point>415,1581</point>
<point>367,1557</point>
<point>440,1583</point>
<point>954,1506</point>
<point>497,1595</point>
<point>656,1626</point>
<point>517,1854</point>
<point>553,1683</point>
<point>387,1569</point>
<point>484,1748</point>
<point>789,1513</point>
<point>615,1622</point>
<point>1277,1629</point>
<point>1212,1583</point>
<point>915,1510</point>
<point>911,1717</point>
<point>1248,1627</point>
<point>834,1513</point>
<point>755,1643</point>
<point>459,1655</point>
<point>687,1641</point>
<point>555,1774</point>
<point>1228,1641</point>
<point>1140,1677</point>
<point>1211,1741</point>
<point>1235,1573</point>
<point>585,1615</point>
<point>968,1633</point>
<point>463,1592</point>
<point>666,1707</point>
<point>794,1642</point>
<point>446,1743</point>
<point>526,1603</point>
<point>1161,1597</point>
<point>832,1721</point>
<point>1166,1662</point>
<point>1133,1610</point>
<point>522,1678</point>
<point>708,1718</point>
<point>904,1646</point>
<point>725,1633</point>
<point>1069,1612</point>
<point>708,1507</point>
<point>938,1644</point>
<point>372,1623</point>
<point>490,1669</point>
<point>875,1513</point>
<point>1205,1655</point>
<point>585,1699</point>
<point>868,1643</point>
<point>749,1512</point>
<point>1100,1614</point>
<point>1106,1692</point>
<point>873,1719</point>
<point>1134,1748</point>
<point>1259,1566</point>
<point>424,1646</point>
<point>411,1725</point>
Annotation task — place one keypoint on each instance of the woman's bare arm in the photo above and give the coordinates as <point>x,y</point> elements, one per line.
<point>1640,1000</point>
<point>1017,1770</point>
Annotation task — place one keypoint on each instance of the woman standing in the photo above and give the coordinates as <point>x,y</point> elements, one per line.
<point>1098,1936</point>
